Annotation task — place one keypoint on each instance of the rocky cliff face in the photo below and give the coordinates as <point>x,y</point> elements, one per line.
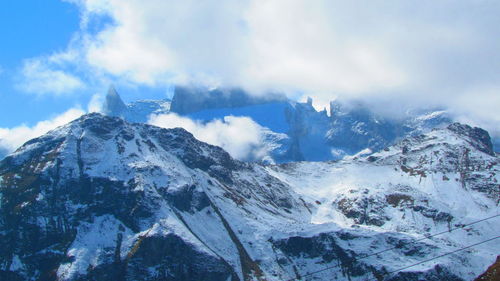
<point>102,199</point>
<point>293,131</point>
<point>138,111</point>
<point>193,99</point>
<point>113,104</point>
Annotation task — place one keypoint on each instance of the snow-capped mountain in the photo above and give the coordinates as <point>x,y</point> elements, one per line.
<point>292,131</point>
<point>104,199</point>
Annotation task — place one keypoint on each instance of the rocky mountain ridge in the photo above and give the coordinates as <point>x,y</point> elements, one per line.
<point>101,199</point>
<point>293,131</point>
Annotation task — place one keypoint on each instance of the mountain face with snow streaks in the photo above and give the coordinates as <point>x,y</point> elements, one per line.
<point>104,199</point>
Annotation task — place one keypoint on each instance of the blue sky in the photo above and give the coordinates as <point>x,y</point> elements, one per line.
<point>39,28</point>
<point>60,56</point>
<point>31,28</point>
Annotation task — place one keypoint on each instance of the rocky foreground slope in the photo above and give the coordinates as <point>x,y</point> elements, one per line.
<point>103,199</point>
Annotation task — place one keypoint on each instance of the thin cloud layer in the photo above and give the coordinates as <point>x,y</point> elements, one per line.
<point>39,78</point>
<point>239,136</point>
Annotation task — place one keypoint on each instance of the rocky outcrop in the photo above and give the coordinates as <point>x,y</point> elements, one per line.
<point>480,139</point>
<point>113,104</point>
<point>293,131</point>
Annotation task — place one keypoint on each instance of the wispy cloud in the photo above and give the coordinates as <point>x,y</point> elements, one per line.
<point>95,103</point>
<point>39,77</point>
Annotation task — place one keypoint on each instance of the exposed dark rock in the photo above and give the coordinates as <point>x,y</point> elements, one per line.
<point>363,210</point>
<point>482,140</point>
<point>399,199</point>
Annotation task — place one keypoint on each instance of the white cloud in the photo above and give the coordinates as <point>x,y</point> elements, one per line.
<point>95,103</point>
<point>40,78</point>
<point>12,138</point>
<point>427,52</point>
<point>158,41</point>
<point>239,136</point>
<point>409,50</point>
<point>482,110</point>
<point>350,47</point>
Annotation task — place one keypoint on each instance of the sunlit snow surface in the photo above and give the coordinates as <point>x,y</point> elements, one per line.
<point>324,186</point>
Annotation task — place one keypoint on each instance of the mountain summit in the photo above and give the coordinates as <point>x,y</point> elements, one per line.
<point>113,105</point>
<point>104,199</point>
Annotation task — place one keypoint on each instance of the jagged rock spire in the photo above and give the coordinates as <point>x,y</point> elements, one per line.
<point>113,105</point>
<point>309,101</point>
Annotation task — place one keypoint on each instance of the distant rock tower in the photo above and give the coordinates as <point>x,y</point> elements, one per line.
<point>113,105</point>
<point>309,101</point>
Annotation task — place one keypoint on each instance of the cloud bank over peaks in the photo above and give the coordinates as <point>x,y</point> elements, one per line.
<point>407,52</point>
<point>355,48</point>
<point>239,136</point>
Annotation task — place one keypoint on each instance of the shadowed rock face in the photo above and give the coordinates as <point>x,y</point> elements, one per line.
<point>347,263</point>
<point>171,257</point>
<point>358,128</point>
<point>138,111</point>
<point>481,138</point>
<point>113,105</point>
<point>191,99</point>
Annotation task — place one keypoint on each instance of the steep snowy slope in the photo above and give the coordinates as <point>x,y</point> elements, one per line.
<point>423,185</point>
<point>102,199</point>
<point>3,153</point>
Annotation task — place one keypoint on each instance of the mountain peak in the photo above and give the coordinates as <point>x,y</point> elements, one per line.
<point>480,138</point>
<point>114,105</point>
